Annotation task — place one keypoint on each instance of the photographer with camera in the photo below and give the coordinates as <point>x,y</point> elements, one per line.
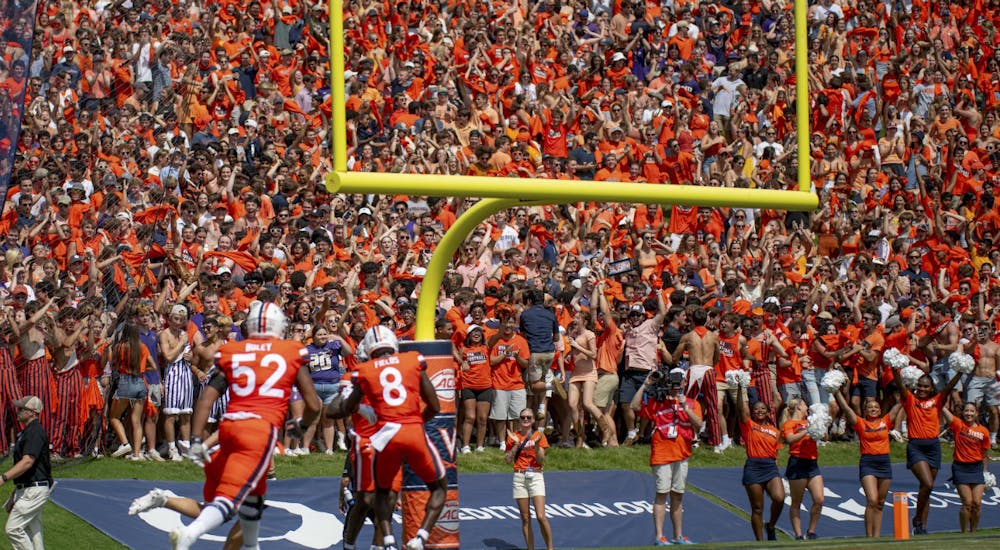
<point>676,420</point>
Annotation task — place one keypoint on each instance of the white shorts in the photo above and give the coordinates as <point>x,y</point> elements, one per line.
<point>978,391</point>
<point>528,485</point>
<point>507,404</point>
<point>672,477</point>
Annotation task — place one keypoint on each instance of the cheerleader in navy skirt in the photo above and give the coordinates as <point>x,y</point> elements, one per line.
<point>972,442</point>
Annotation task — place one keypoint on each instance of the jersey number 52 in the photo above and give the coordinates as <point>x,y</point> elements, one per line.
<point>245,377</point>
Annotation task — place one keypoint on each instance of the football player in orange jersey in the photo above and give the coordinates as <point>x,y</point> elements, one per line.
<point>395,384</point>
<point>260,373</point>
<point>357,492</point>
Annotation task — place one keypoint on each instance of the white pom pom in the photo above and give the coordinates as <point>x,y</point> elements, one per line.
<point>991,480</point>
<point>895,359</point>
<point>961,362</point>
<point>819,421</point>
<point>910,375</point>
<point>738,377</point>
<point>833,380</point>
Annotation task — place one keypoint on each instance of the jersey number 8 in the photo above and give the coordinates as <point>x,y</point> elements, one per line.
<point>393,391</point>
<point>246,378</point>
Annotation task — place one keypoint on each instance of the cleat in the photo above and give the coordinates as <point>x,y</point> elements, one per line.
<point>416,543</point>
<point>157,498</point>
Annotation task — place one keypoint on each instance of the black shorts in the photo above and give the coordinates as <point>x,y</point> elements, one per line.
<point>481,396</point>
<point>865,388</point>
<point>801,468</point>
<point>923,450</point>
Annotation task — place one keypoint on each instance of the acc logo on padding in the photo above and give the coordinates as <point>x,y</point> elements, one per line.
<point>444,382</point>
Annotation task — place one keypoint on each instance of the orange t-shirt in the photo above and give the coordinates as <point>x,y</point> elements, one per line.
<point>663,449</point>
<point>803,448</point>
<point>729,356</point>
<point>507,374</point>
<point>526,458</point>
<point>923,418</point>
<point>971,442</point>
<point>478,375</point>
<point>869,369</point>
<point>873,435</point>
<point>762,440</point>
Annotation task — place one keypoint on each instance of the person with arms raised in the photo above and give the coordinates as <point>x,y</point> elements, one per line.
<point>874,470</point>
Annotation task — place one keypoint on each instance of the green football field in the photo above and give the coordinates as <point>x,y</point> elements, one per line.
<point>66,531</point>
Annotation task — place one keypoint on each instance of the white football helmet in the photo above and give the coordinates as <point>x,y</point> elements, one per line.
<point>266,320</point>
<point>377,338</point>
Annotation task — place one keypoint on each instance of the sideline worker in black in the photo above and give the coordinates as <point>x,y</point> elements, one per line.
<point>32,477</point>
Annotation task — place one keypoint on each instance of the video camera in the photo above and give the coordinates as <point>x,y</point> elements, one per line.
<point>664,380</point>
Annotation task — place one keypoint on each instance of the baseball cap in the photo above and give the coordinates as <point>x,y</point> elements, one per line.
<point>250,123</point>
<point>365,210</point>
<point>180,310</point>
<point>619,56</point>
<point>64,200</point>
<point>893,322</point>
<point>76,258</point>
<point>224,269</point>
<point>636,310</point>
<point>472,328</point>
<point>68,49</point>
<point>30,402</point>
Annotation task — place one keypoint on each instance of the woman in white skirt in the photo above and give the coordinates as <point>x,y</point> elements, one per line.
<point>526,451</point>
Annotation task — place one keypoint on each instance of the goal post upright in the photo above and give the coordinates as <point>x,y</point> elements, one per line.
<point>502,193</point>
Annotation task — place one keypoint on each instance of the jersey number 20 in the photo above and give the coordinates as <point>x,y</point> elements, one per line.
<point>246,378</point>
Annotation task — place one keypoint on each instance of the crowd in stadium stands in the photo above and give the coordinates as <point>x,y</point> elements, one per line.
<point>170,171</point>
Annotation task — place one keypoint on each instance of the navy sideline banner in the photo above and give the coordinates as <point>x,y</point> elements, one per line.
<point>586,510</point>
<point>844,500</point>
<point>18,30</point>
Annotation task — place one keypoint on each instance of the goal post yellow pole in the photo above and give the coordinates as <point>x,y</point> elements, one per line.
<point>338,122</point>
<point>508,192</point>
<point>802,96</point>
<point>430,287</point>
<point>566,191</point>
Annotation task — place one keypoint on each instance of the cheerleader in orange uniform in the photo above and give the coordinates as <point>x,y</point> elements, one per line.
<point>760,472</point>
<point>972,442</point>
<point>923,448</point>
<point>874,469</point>
<point>802,471</point>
